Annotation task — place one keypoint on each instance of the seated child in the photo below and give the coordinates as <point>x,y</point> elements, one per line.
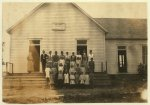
<point>60,79</point>
<point>72,79</point>
<point>47,71</point>
<point>66,79</point>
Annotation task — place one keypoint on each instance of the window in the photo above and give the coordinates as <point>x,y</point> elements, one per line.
<point>81,42</point>
<point>144,54</point>
<point>34,41</point>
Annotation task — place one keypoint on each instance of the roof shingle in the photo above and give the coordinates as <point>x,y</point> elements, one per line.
<point>124,28</point>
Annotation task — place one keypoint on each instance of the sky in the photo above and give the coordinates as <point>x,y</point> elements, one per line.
<point>13,12</point>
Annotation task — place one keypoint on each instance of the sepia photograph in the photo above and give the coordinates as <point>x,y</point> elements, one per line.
<point>74,52</point>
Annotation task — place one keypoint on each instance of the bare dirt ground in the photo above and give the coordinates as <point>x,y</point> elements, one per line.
<point>43,94</point>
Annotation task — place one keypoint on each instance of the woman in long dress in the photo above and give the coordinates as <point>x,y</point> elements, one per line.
<point>30,63</point>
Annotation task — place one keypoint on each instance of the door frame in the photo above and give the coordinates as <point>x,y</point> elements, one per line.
<point>87,39</point>
<point>28,44</point>
<point>124,49</point>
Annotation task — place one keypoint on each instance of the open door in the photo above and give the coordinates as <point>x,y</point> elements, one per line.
<point>35,49</point>
<point>82,46</point>
<point>122,61</point>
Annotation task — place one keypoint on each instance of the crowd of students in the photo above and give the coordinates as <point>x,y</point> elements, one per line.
<point>68,71</point>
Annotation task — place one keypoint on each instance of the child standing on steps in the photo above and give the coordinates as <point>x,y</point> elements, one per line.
<point>66,79</point>
<point>60,79</point>
<point>51,79</point>
<point>47,72</point>
<point>82,80</point>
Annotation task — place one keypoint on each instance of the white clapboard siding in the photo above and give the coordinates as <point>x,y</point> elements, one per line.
<point>39,25</point>
<point>133,51</point>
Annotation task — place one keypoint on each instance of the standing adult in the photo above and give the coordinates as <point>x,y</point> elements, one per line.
<point>50,59</point>
<point>72,59</point>
<point>55,60</point>
<point>78,58</point>
<point>43,61</point>
<point>84,60</point>
<point>91,55</point>
<point>62,58</point>
<point>91,66</point>
<point>30,63</point>
<point>67,62</point>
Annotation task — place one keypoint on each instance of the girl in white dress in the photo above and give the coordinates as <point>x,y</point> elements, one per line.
<point>47,72</point>
<point>66,79</point>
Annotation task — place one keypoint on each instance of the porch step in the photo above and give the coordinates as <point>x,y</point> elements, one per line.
<point>101,79</point>
<point>24,79</point>
<point>27,74</point>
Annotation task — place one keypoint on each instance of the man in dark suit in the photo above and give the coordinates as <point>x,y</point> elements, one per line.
<point>91,66</point>
<point>43,61</point>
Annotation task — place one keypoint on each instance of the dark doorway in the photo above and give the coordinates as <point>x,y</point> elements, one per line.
<point>82,49</point>
<point>122,61</point>
<point>35,49</point>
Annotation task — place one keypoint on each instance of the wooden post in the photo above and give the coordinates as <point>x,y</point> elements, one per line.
<point>106,66</point>
<point>6,67</point>
<point>12,69</point>
<point>102,66</point>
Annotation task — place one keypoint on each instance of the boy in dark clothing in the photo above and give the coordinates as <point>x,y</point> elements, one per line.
<point>55,60</point>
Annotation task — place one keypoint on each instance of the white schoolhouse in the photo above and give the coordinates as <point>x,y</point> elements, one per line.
<point>119,45</point>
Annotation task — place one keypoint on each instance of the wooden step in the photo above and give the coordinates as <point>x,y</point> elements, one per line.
<point>24,79</point>
<point>27,74</point>
<point>101,79</point>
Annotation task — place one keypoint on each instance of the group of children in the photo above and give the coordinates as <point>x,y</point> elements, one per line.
<point>70,71</point>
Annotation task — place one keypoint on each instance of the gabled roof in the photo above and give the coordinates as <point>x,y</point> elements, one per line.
<point>39,6</point>
<point>124,28</point>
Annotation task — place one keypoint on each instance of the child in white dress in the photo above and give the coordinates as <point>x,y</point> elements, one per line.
<point>47,72</point>
<point>66,79</point>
